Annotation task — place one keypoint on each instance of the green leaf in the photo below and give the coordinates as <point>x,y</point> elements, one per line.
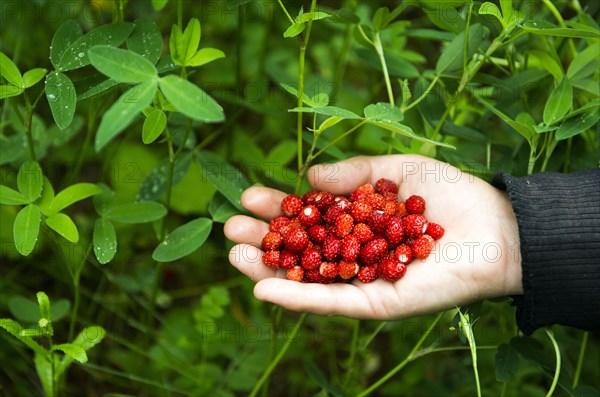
<point>328,123</point>
<point>577,125</point>
<point>452,58</point>
<point>383,111</point>
<point>488,8</point>
<point>292,90</point>
<point>105,240</point>
<point>154,125</point>
<point>44,370</point>
<point>73,194</point>
<point>154,184</point>
<point>587,57</point>
<point>136,212</point>
<point>225,178</point>
<point>191,100</point>
<point>559,102</point>
<point>320,99</point>
<point>405,130</point>
<point>381,18</point>
<point>547,62</point>
<point>122,113</point>
<point>328,111</point>
<point>44,305</point>
<point>159,4</point>
<point>62,98</point>
<point>294,30</point>
<point>10,71</point>
<point>184,45</point>
<point>7,91</point>
<point>146,40</point>
<point>313,16</point>
<point>121,65</point>
<point>507,362</point>
<point>46,198</point>
<point>76,56</point>
<point>183,241</point>
<point>525,130</point>
<point>9,196</point>
<point>26,229</point>
<point>220,209</point>
<point>87,338</point>
<point>28,311</point>
<point>30,180</point>
<point>14,328</point>
<point>64,226</point>
<point>204,56</point>
<point>66,34</point>
<point>546,28</point>
<point>33,76</point>
<point>507,9</point>
<point>73,351</point>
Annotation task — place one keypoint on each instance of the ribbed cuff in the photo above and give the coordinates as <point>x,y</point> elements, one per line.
<point>559,228</point>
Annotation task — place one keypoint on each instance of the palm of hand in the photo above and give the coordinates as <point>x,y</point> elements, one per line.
<point>477,258</point>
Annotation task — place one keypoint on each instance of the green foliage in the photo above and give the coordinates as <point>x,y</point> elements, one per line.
<point>122,158</point>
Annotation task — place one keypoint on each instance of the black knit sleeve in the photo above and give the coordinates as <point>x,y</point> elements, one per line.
<point>559,228</point>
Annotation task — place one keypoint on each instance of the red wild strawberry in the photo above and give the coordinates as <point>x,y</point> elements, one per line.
<point>376,201</point>
<point>384,185</point>
<point>373,251</point>
<point>313,276</point>
<point>296,240</point>
<point>294,223</point>
<point>391,269</point>
<point>395,231</point>
<point>311,258</point>
<point>363,233</point>
<point>348,269</point>
<point>336,209</point>
<point>329,269</point>
<point>422,246</point>
<point>434,230</point>
<point>360,211</point>
<point>389,196</point>
<point>317,233</point>
<point>295,274</point>
<point>309,215</point>
<point>362,192</point>
<point>272,259</point>
<point>278,222</point>
<point>414,225</point>
<point>404,254</point>
<point>367,274</point>
<point>288,259</point>
<point>271,241</point>
<point>291,205</point>
<point>379,221</point>
<point>309,197</point>
<point>390,208</point>
<point>323,201</point>
<point>401,209</point>
<point>350,247</point>
<point>415,205</point>
<point>331,248</point>
<point>343,225</point>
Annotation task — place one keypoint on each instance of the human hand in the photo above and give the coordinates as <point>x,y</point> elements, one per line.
<point>478,257</point>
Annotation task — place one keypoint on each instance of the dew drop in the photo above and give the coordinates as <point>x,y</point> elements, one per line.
<point>81,55</point>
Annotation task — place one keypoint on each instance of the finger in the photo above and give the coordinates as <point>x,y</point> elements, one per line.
<point>248,260</point>
<point>344,176</point>
<point>263,201</point>
<point>328,299</point>
<point>244,229</point>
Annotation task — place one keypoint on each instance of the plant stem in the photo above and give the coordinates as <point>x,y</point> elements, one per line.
<point>276,314</point>
<point>332,143</point>
<point>279,356</point>
<point>353,348</point>
<point>304,38</point>
<point>557,371</point>
<point>408,358</point>
<point>180,13</point>
<point>76,294</point>
<point>386,76</point>
<point>423,95</point>
<point>561,22</point>
<point>568,155</point>
<point>84,147</point>
<point>580,359</point>
<point>287,14</point>
<point>341,63</point>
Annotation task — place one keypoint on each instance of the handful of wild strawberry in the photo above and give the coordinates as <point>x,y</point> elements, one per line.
<point>322,238</point>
